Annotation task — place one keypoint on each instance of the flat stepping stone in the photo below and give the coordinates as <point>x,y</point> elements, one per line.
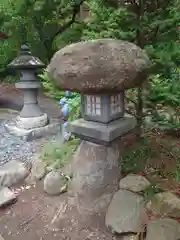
<point>134,183</point>
<point>12,173</point>
<point>126,213</point>
<point>6,197</point>
<point>166,204</point>
<point>163,229</point>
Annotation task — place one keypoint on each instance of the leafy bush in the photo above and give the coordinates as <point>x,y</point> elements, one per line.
<point>56,155</point>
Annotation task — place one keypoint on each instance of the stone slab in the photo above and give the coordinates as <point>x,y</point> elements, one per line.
<point>165,204</point>
<point>102,133</point>
<point>6,196</point>
<point>163,229</point>
<point>134,183</point>
<point>126,213</point>
<point>29,135</point>
<point>12,173</point>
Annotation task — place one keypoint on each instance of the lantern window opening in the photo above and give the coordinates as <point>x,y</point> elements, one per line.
<point>93,105</point>
<point>116,102</point>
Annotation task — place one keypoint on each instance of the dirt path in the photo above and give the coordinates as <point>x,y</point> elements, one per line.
<point>30,217</point>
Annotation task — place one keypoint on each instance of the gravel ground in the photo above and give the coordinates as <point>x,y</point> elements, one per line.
<point>13,148</point>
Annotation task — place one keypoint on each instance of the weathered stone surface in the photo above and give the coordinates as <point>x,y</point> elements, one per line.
<point>38,171</point>
<point>1,238</point>
<point>163,229</point>
<point>12,172</point>
<point>99,66</point>
<point>102,133</point>
<point>6,196</point>
<point>130,237</point>
<point>96,175</point>
<point>54,183</point>
<point>134,183</point>
<point>29,135</point>
<point>126,213</point>
<point>165,204</point>
<point>29,123</point>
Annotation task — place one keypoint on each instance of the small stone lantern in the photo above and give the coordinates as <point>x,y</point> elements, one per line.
<point>101,71</point>
<point>31,116</point>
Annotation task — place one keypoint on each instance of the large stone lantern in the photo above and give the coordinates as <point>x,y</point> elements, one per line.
<point>31,116</point>
<point>101,71</point>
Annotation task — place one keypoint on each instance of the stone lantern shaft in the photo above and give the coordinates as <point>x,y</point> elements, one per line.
<point>30,87</point>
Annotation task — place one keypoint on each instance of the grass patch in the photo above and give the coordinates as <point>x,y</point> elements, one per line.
<point>150,191</point>
<point>56,155</point>
<point>135,160</point>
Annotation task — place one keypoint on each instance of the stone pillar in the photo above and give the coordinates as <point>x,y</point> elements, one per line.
<point>101,71</point>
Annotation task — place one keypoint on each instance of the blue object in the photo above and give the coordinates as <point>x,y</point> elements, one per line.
<point>62,102</point>
<point>65,110</point>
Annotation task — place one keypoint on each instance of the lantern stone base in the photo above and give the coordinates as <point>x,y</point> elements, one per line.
<point>32,122</point>
<point>102,133</point>
<point>33,133</point>
<point>96,172</point>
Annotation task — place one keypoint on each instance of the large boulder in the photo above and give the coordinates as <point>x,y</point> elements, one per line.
<point>99,66</point>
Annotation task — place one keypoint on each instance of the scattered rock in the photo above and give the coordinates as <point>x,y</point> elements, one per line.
<point>55,184</point>
<point>134,183</point>
<point>99,65</point>
<point>12,172</point>
<point>6,197</point>
<point>1,238</point>
<point>126,213</point>
<point>165,204</point>
<point>38,171</point>
<point>163,229</point>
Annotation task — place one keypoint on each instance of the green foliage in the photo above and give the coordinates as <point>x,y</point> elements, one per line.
<point>165,91</point>
<point>72,35</point>
<point>39,23</point>
<point>135,161</point>
<point>108,23</point>
<point>56,155</point>
<point>150,192</point>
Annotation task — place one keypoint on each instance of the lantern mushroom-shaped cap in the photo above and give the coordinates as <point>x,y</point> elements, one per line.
<point>97,66</point>
<point>26,60</point>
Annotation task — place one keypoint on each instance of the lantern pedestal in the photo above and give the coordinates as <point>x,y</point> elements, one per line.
<point>15,127</point>
<point>102,133</point>
<point>96,172</point>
